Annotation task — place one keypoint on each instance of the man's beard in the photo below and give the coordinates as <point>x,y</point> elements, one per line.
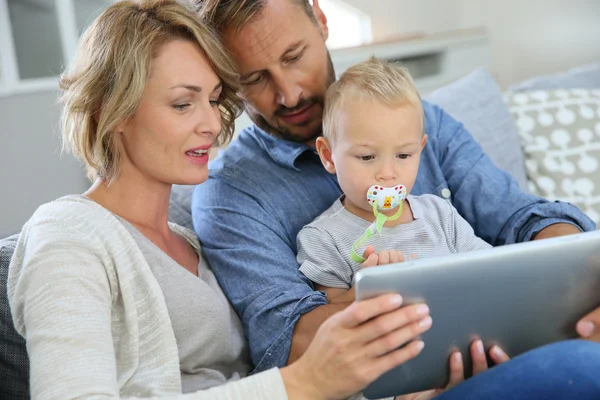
<point>289,134</point>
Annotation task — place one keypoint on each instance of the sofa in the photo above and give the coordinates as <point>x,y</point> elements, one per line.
<point>545,132</point>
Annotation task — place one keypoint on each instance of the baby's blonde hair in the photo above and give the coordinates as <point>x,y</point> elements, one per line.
<point>371,80</point>
<point>105,82</point>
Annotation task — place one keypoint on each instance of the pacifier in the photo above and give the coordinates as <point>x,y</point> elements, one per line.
<point>381,199</point>
<point>386,198</point>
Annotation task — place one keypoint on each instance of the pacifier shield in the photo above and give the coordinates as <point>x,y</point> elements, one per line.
<point>386,198</point>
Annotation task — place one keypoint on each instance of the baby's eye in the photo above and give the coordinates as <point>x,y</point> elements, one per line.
<point>403,156</point>
<point>366,158</point>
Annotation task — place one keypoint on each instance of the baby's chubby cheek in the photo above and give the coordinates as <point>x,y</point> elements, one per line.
<point>358,195</point>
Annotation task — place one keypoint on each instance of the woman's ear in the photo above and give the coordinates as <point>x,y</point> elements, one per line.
<point>324,150</point>
<point>120,127</point>
<point>321,19</point>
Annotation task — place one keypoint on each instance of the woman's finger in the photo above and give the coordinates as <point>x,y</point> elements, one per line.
<point>361,311</point>
<point>395,358</point>
<point>392,321</point>
<point>393,340</point>
<point>478,357</point>
<point>498,355</point>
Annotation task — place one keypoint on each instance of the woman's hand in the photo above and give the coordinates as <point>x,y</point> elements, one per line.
<point>457,375</point>
<point>356,346</point>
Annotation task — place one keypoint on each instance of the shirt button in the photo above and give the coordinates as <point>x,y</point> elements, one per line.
<point>446,193</point>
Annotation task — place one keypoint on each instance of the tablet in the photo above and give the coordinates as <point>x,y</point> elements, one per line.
<point>519,296</point>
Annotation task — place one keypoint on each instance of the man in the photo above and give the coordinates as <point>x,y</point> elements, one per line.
<point>270,183</point>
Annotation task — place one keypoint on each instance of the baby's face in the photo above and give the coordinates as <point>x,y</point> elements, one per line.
<point>379,145</point>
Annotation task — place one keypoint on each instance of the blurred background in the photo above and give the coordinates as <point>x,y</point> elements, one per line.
<point>439,40</point>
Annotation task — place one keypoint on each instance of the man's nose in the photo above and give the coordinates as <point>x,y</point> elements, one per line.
<point>288,92</point>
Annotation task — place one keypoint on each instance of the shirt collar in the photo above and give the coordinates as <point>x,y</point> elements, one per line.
<point>283,152</point>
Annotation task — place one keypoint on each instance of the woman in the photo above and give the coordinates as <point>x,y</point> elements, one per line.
<point>114,302</point>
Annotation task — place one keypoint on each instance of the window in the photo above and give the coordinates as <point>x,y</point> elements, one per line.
<point>38,38</point>
<point>348,26</point>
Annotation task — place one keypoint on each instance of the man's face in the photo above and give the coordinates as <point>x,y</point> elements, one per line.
<point>284,69</point>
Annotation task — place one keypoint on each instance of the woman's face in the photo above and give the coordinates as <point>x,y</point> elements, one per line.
<point>169,137</point>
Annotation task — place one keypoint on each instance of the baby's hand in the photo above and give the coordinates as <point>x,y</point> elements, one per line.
<point>383,257</point>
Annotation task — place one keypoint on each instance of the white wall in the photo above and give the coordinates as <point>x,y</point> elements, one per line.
<point>527,38</point>
<point>535,37</point>
<point>399,17</point>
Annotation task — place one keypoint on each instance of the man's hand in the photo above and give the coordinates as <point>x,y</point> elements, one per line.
<point>457,375</point>
<point>589,326</point>
<point>556,230</point>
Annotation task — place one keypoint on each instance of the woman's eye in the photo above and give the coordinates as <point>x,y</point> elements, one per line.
<point>214,103</point>
<point>181,107</point>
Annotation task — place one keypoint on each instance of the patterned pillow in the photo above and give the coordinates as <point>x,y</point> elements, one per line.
<point>560,134</point>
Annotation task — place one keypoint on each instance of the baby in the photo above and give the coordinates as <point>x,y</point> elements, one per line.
<point>373,129</point>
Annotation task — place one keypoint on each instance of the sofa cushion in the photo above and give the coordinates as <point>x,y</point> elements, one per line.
<point>14,364</point>
<point>560,132</point>
<point>477,102</point>
<point>584,77</point>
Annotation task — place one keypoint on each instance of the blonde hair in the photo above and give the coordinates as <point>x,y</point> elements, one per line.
<point>105,82</point>
<point>390,84</point>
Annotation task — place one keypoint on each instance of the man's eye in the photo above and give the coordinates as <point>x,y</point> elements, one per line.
<point>254,81</point>
<point>293,59</point>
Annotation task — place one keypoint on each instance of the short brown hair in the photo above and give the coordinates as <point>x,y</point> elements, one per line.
<point>235,14</point>
<point>105,82</point>
<point>390,84</point>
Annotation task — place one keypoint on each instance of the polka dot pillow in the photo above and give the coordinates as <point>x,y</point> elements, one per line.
<point>560,135</point>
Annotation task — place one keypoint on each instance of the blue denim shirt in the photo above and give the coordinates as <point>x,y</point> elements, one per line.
<point>263,190</point>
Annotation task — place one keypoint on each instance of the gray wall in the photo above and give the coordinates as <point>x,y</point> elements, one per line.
<point>37,39</point>
<point>32,169</point>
